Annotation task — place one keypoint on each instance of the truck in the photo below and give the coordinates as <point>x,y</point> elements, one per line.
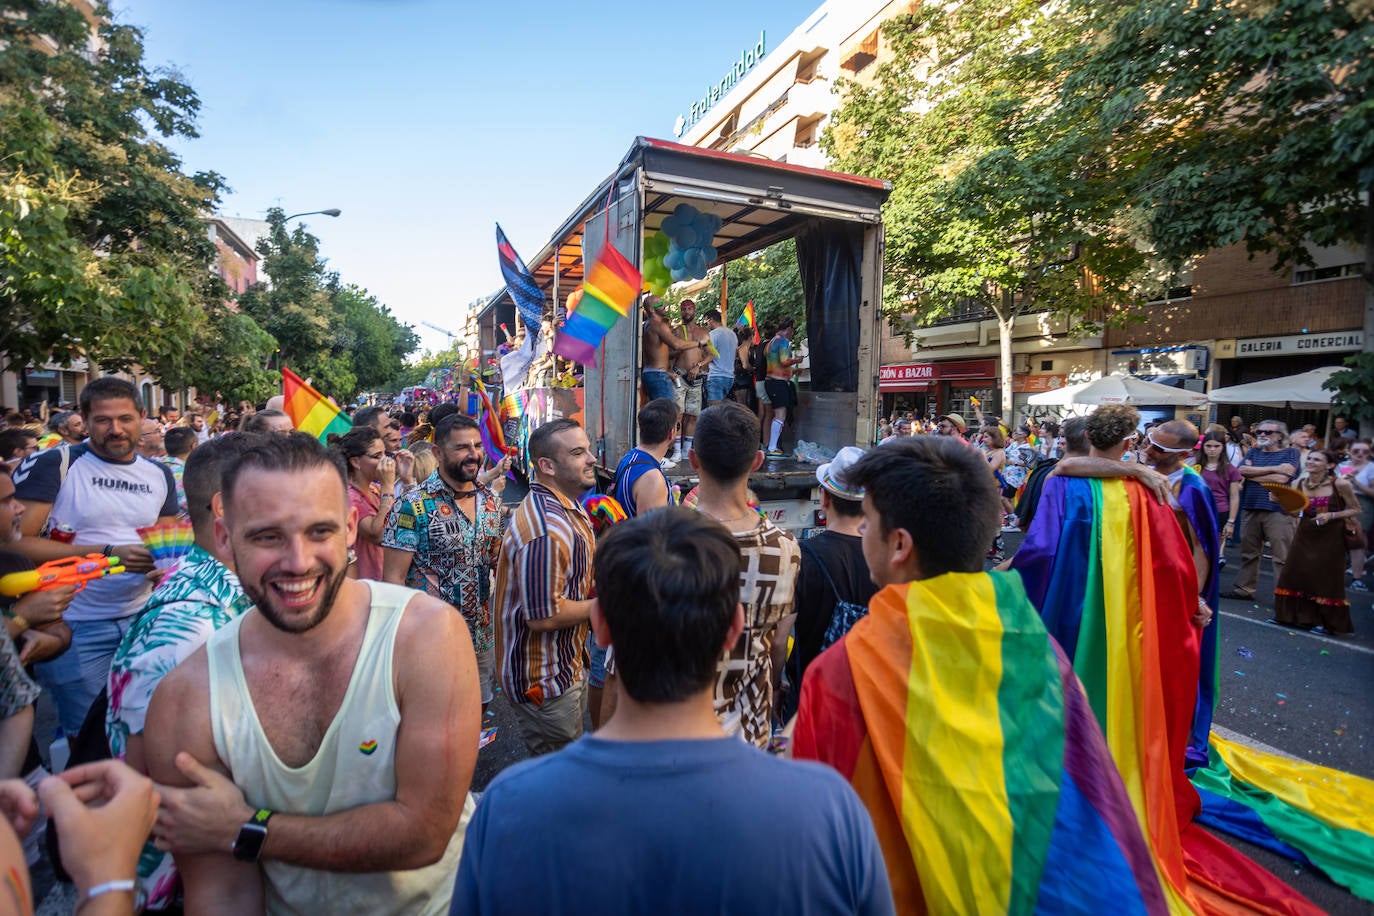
<point>836,220</point>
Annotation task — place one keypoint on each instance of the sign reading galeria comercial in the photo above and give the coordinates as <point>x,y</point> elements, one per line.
<point>748,59</point>
<point>1300,344</point>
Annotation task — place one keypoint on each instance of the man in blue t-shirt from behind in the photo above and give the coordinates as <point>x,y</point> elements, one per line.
<point>695,821</point>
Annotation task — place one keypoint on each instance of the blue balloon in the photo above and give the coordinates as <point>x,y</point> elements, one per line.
<point>674,259</point>
<point>678,275</point>
<point>685,212</point>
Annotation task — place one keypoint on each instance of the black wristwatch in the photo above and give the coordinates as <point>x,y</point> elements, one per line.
<point>248,846</point>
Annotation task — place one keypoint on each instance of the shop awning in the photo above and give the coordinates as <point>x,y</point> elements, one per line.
<point>1303,390</point>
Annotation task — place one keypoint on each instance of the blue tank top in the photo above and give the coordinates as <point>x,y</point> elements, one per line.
<point>633,466</point>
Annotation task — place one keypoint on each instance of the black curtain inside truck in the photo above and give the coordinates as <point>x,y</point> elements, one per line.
<point>829,258</point>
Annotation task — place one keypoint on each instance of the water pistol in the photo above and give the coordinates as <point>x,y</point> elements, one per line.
<point>57,573</point>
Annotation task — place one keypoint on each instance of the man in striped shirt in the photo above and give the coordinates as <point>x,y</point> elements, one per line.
<point>544,585</point>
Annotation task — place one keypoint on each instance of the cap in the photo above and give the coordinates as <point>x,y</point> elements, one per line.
<point>956,420</point>
<point>827,474</point>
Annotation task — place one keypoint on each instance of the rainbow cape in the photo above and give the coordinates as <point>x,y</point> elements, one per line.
<point>976,754</point>
<point>310,411</point>
<point>1134,648</point>
<point>609,288</point>
<point>747,319</point>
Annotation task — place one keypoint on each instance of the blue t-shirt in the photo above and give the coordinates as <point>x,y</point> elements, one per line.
<point>1254,496</point>
<point>707,826</point>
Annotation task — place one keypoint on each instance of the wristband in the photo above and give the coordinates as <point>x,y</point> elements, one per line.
<point>107,550</point>
<point>122,886</point>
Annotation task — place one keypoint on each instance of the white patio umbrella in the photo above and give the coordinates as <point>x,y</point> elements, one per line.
<point>1303,390</point>
<point>1118,389</point>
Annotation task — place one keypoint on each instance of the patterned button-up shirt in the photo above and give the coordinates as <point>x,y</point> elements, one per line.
<point>198,597</point>
<point>546,559</point>
<point>453,554</point>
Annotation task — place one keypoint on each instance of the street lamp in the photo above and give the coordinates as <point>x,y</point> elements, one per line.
<point>332,211</point>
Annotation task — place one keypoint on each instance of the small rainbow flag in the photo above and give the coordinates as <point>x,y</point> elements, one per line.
<point>608,291</point>
<point>514,405</point>
<point>167,543</point>
<point>493,437</point>
<point>310,411</point>
<point>748,320</point>
<point>605,511</point>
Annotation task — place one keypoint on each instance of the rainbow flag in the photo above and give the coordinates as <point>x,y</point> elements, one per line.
<point>514,405</point>
<point>310,411</point>
<point>609,288</point>
<point>489,424</point>
<point>987,778</point>
<point>747,319</point>
<point>1113,577</point>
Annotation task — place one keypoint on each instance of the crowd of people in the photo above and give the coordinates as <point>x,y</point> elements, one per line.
<point>299,698</point>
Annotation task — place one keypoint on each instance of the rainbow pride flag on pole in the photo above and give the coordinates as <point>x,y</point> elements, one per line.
<point>489,425</point>
<point>310,411</point>
<point>609,289</point>
<point>1113,577</point>
<point>964,730</point>
<point>747,320</point>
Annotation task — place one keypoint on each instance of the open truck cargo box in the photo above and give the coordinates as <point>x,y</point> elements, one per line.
<point>837,222</point>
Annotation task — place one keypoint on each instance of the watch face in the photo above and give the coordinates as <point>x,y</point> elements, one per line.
<point>248,846</point>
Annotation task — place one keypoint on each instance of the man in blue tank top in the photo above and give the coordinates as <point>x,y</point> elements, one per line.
<point>640,484</point>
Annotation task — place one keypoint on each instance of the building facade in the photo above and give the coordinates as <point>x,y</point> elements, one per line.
<point>1236,320</point>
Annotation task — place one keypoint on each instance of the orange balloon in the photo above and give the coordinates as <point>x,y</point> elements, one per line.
<point>574,298</point>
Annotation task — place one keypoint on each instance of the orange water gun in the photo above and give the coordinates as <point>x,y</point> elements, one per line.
<point>57,573</point>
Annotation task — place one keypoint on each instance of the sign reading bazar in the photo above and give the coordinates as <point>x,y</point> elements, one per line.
<point>748,59</point>
<point>1298,344</point>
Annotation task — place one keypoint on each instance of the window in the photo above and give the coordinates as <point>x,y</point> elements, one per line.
<point>1335,272</point>
<point>861,54</point>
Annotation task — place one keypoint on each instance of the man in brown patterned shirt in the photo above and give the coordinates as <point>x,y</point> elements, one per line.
<point>726,449</point>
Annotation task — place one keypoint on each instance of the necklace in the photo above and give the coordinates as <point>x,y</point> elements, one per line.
<point>1308,484</point>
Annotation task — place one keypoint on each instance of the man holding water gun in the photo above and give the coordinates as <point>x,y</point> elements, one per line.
<point>93,497</point>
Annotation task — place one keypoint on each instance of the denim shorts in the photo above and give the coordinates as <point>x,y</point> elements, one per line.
<point>718,387</point>
<point>658,384</point>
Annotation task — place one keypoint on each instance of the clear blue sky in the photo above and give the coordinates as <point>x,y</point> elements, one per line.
<point>427,121</point>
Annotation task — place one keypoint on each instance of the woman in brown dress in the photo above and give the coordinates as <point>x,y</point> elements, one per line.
<point>1311,589</point>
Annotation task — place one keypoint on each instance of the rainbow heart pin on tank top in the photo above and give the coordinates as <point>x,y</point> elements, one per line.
<point>368,747</point>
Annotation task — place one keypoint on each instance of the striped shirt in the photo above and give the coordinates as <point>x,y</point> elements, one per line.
<point>546,557</point>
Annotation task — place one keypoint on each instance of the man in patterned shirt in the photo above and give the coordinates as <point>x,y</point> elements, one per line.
<point>724,452</point>
<point>444,534</point>
<point>544,584</point>
<point>201,595</point>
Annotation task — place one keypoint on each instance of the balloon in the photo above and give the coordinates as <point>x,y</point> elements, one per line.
<point>689,232</point>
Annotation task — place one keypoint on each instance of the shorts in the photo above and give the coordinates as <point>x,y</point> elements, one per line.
<point>761,392</point>
<point>597,672</point>
<point>657,384</point>
<point>780,392</point>
<point>688,396</point>
<point>718,387</point>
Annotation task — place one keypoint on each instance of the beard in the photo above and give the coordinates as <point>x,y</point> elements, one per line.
<point>287,621</point>
<point>463,471</point>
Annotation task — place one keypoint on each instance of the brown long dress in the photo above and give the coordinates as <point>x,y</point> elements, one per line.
<point>1311,588</point>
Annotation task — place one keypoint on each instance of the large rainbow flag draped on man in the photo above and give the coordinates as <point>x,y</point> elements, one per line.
<point>1113,577</point>
<point>310,411</point>
<point>964,730</point>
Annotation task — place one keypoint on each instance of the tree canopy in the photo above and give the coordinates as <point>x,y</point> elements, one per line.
<point>105,253</point>
<point>338,335</point>
<point>769,279</point>
<point>995,203</point>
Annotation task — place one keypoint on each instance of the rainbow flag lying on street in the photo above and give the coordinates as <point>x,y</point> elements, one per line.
<point>609,289</point>
<point>1114,581</point>
<point>310,411</point>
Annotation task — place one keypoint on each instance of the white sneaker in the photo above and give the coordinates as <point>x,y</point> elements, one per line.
<point>667,464</point>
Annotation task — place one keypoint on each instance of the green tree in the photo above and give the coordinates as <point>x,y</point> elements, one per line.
<point>1354,390</point>
<point>770,279</point>
<point>233,355</point>
<point>417,372</point>
<point>1235,121</point>
<point>338,335</point>
<point>994,204</point>
<point>105,250</point>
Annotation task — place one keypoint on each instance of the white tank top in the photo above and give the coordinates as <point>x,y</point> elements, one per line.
<point>355,765</point>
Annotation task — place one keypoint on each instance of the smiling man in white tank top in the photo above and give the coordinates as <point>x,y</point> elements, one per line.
<point>302,768</point>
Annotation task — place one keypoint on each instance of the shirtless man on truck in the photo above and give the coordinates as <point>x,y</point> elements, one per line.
<point>689,365</point>
<point>658,344</point>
